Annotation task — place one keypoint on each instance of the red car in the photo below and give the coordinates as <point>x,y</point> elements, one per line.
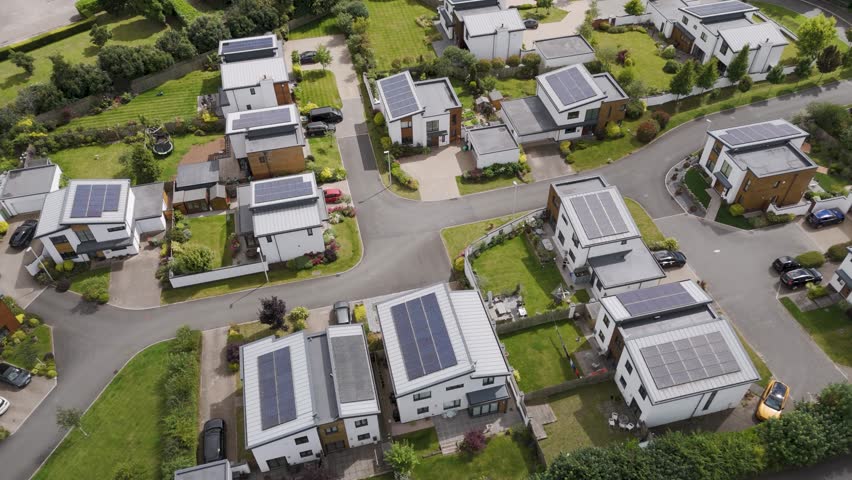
<point>332,195</point>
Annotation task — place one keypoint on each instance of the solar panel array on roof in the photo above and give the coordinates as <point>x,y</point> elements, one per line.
<point>399,95</point>
<point>720,8</point>
<point>757,133</point>
<point>656,299</point>
<point>570,86</point>
<point>233,46</point>
<point>281,189</point>
<point>261,118</point>
<point>689,360</point>
<point>423,337</point>
<point>90,201</point>
<point>599,216</point>
<point>275,379</point>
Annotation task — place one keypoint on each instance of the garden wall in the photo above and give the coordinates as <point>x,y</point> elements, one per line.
<point>179,281</point>
<point>798,209</point>
<point>841,203</point>
<point>591,379</point>
<point>536,320</point>
<point>298,22</point>
<point>177,70</point>
<point>721,83</point>
<point>77,108</point>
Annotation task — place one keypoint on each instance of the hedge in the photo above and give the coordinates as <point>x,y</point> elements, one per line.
<point>87,8</point>
<point>49,37</point>
<point>180,394</point>
<point>184,11</point>
<point>811,259</point>
<point>838,251</point>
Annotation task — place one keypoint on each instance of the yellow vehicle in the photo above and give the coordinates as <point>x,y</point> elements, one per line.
<point>773,400</point>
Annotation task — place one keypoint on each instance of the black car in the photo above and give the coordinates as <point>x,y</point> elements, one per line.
<point>340,313</point>
<point>531,23</point>
<point>826,217</point>
<point>325,114</point>
<point>785,264</point>
<point>800,276</point>
<point>17,377</point>
<point>318,129</point>
<point>308,57</point>
<point>24,234</point>
<point>667,258</point>
<point>213,443</point>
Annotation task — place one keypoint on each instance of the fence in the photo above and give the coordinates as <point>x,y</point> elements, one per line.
<point>179,281</point>
<point>177,70</point>
<point>721,83</point>
<point>591,379</point>
<point>540,319</point>
<point>842,203</point>
<point>77,108</point>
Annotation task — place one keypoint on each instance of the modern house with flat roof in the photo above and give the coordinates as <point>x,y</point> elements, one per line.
<point>494,34</point>
<point>569,103</point>
<point>443,354</point>
<point>270,142</point>
<point>23,190</point>
<point>841,281</point>
<point>254,74</point>
<point>219,470</point>
<point>283,216</point>
<point>426,113</point>
<point>307,395</point>
<point>597,239</point>
<point>564,51</point>
<point>676,359</point>
<point>491,145</point>
<point>758,165</point>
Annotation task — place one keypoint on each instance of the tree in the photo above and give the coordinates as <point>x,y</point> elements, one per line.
<point>191,258</point>
<point>141,164</point>
<point>121,61</point>
<point>815,34</point>
<point>683,81</point>
<point>829,59</point>
<point>473,442</point>
<point>298,318</point>
<point>634,7</point>
<point>745,84</point>
<point>100,34</point>
<point>23,61</point>
<point>68,418</point>
<point>250,17</point>
<point>606,55</point>
<point>77,80</point>
<point>776,75</point>
<point>797,440</point>
<point>707,75</point>
<point>206,31</point>
<point>545,4</point>
<point>830,117</point>
<point>322,7</point>
<point>272,311</point>
<point>738,66</point>
<point>152,9</point>
<point>177,44</point>
<point>323,56</point>
<point>402,458</point>
<point>804,68</point>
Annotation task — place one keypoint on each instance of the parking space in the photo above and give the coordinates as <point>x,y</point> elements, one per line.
<point>15,281</point>
<point>23,402</point>
<point>825,237</point>
<point>341,62</point>
<point>546,162</point>
<point>437,171</point>
<point>132,283</point>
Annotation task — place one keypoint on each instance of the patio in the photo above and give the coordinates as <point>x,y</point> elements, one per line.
<point>451,430</point>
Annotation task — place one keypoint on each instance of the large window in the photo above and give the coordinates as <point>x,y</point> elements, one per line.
<point>61,244</point>
<point>622,381</point>
<point>606,320</point>
<point>685,20</point>
<point>432,126</point>
<point>592,114</point>
<point>571,255</point>
<point>453,404</point>
<point>642,392</point>
<point>422,395</point>
<point>361,423</point>
<point>724,48</point>
<point>422,410</point>
<point>301,440</point>
<point>628,367</point>
<point>726,170</point>
<point>277,462</point>
<point>405,124</point>
<point>488,381</point>
<point>561,238</point>
<point>85,235</point>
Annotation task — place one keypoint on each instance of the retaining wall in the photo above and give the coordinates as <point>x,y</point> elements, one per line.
<point>179,281</point>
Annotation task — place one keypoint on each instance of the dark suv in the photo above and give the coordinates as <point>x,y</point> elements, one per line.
<point>17,377</point>
<point>668,258</point>
<point>800,276</point>
<point>325,114</point>
<point>785,264</point>
<point>318,129</point>
<point>826,217</point>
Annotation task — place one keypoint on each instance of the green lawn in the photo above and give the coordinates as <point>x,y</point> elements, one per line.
<point>599,153</point>
<point>581,420</point>
<point>647,227</point>
<point>213,232</point>
<point>503,459</point>
<point>830,183</point>
<point>98,276</point>
<point>759,364</point>
<point>458,237</point>
<point>395,34</point>
<point>830,328</point>
<point>348,255</point>
<point>76,48</point>
<point>648,64</point>
<point>123,424</point>
<point>466,188</point>
<point>102,161</point>
<point>580,296</point>
<point>503,267</point>
<point>696,184</point>
<point>724,216</point>
<point>178,99</point>
<point>325,152</point>
<point>318,28</point>
<point>319,87</point>
<point>545,15</point>
<point>537,354</point>
<point>14,354</point>
<point>424,441</point>
<point>790,19</point>
<point>515,88</point>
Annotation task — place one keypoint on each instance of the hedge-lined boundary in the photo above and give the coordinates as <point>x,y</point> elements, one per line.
<point>87,8</point>
<point>180,398</point>
<point>184,11</point>
<point>49,37</point>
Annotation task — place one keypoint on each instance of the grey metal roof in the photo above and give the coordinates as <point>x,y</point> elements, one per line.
<point>474,9</point>
<point>116,216</point>
<point>561,47</point>
<point>492,22</point>
<point>753,35</point>
<point>472,3</point>
<point>591,223</point>
<point>219,470</point>
<point>569,87</point>
<point>722,178</point>
<point>353,374</point>
<point>478,334</point>
<point>844,275</point>
<point>772,160</point>
<point>487,395</point>
<point>51,213</point>
<point>27,181</point>
<point>244,222</point>
<point>615,305</point>
<point>437,96</point>
<point>528,116</point>
<point>719,8</point>
<point>183,196</point>
<point>744,136</point>
<point>633,265</point>
<point>93,246</point>
<point>194,175</point>
<point>715,27</point>
<point>491,139</point>
<point>287,218</point>
<point>610,87</point>
<point>292,138</point>
<point>322,380</point>
<point>148,200</point>
<point>250,72</point>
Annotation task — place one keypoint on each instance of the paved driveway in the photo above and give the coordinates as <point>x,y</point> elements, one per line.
<point>827,236</point>
<point>567,26</point>
<point>218,396</point>
<point>546,162</point>
<point>437,171</point>
<point>132,283</point>
<point>23,402</point>
<point>15,281</point>
<point>28,18</point>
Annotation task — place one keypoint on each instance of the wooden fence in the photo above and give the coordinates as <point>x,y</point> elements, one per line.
<point>591,379</point>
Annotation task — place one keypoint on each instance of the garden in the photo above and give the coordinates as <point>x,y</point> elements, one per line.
<point>460,236</point>
<point>829,327</point>
<point>215,232</point>
<point>498,175</point>
<point>318,88</point>
<point>538,356</point>
<point>651,235</point>
<point>830,127</point>
<point>644,58</point>
<point>31,346</point>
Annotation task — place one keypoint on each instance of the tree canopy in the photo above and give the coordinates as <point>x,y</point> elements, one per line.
<point>738,66</point>
<point>141,164</point>
<point>815,34</point>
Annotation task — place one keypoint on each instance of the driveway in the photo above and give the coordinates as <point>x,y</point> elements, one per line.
<point>437,171</point>
<point>826,236</point>
<point>28,18</point>
<point>132,283</point>
<point>15,281</point>
<point>218,395</point>
<point>341,62</point>
<point>23,402</point>
<point>546,162</point>
<point>567,26</point>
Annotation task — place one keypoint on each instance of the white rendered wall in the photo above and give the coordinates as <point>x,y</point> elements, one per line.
<point>506,156</point>
<point>284,246</point>
<point>286,447</point>
<point>443,125</point>
<point>241,98</point>
<point>371,428</point>
<point>440,395</point>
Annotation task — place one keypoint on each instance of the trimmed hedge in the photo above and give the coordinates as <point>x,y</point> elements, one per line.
<point>180,397</point>
<point>184,11</point>
<point>811,259</point>
<point>837,252</point>
<point>87,8</point>
<point>49,37</point>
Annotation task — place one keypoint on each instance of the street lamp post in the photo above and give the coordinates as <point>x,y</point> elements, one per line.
<point>515,199</point>
<point>390,177</point>
<point>30,250</point>
<point>265,266</point>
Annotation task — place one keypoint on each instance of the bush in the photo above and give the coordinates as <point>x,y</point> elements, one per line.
<point>88,8</point>
<point>613,131</point>
<point>206,31</point>
<point>626,77</point>
<point>191,258</point>
<point>635,108</point>
<point>474,442</point>
<point>403,178</point>
<point>379,119</point>
<point>565,148</point>
<point>513,60</point>
<point>669,243</point>
<point>811,259</point>
<point>777,219</point>
<point>4,434</point>
<point>298,318</point>
<point>816,291</point>
<point>837,252</point>
<point>95,289</point>
<point>458,264</point>
<point>662,118</point>
<point>668,53</point>
<point>647,131</point>
<point>671,66</point>
<point>232,353</point>
<point>497,63</point>
<point>4,227</point>
<point>736,210</point>
<point>180,399</point>
<point>604,26</point>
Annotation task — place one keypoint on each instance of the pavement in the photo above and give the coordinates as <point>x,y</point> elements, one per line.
<point>32,17</point>
<point>132,283</point>
<point>437,171</point>
<point>825,237</point>
<point>15,281</point>
<point>567,26</point>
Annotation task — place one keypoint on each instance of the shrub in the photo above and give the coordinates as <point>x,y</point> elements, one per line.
<point>379,119</point>
<point>191,258</point>
<point>497,63</point>
<point>474,442</point>
<point>298,318</point>
<point>816,291</point>
<point>671,66</point>
<point>359,313</point>
<point>647,131</point>
<point>302,262</point>
<point>736,210</point>
<point>458,264</point>
<point>613,131</point>
<point>565,148</point>
<point>668,53</point>
<point>661,117</point>
<point>95,289</point>
<point>88,8</point>
<point>4,434</point>
<point>4,227</point>
<point>811,259</point>
<point>232,353</point>
<point>307,107</point>
<point>635,108</point>
<point>604,26</point>
<point>837,252</point>
<point>669,243</point>
<point>626,77</point>
<point>180,399</point>
<point>513,60</point>
<point>776,219</point>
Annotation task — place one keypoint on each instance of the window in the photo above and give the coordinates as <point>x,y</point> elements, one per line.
<point>306,453</point>
<point>571,255</point>
<point>330,430</point>
<point>622,381</point>
<point>422,410</point>
<point>115,229</point>
<point>601,336</point>
<point>455,387</point>
<point>269,239</point>
<point>684,20</point>
<point>248,107</point>
<point>564,219</point>
<point>422,396</point>
<point>575,240</point>
<point>709,400</point>
<point>454,119</point>
<point>310,232</point>
<point>776,184</point>
<point>571,130</point>
<point>301,440</point>
<point>405,124</point>
<point>251,91</point>
<point>606,320</point>
<point>561,238</point>
<point>364,436</point>
<point>276,462</point>
<point>628,367</point>
<point>599,285</point>
<point>717,147</point>
<point>431,126</point>
<point>724,48</point>
<point>573,115</point>
<point>488,381</point>
<point>726,169</point>
<point>703,36</point>
<point>748,184</point>
<point>592,114</point>
<point>85,235</point>
<point>361,423</point>
<point>452,404</point>
<point>642,392</point>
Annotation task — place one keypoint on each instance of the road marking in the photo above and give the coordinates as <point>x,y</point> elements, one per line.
<point>716,251</point>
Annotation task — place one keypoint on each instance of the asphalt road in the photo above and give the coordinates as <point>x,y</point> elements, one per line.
<point>23,19</point>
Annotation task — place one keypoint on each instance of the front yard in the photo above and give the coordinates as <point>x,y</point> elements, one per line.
<point>22,356</point>
<point>466,188</point>
<point>213,232</point>
<point>92,279</point>
<point>643,50</point>
<point>325,152</point>
<point>545,15</point>
<point>647,227</point>
<point>538,356</point>
<point>319,87</point>
<point>724,216</point>
<point>697,184</point>
<point>830,328</point>
<point>458,237</point>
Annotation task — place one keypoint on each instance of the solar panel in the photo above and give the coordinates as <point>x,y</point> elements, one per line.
<point>657,299</point>
<point>599,215</point>
<point>233,46</point>
<point>611,209</point>
<point>275,382</point>
<point>689,360</point>
<point>81,200</point>
<point>407,342</point>
<point>281,189</point>
<point>96,201</point>
<point>721,8</point>
<point>570,85</point>
<point>399,94</point>
<point>423,335</point>
<point>284,385</point>
<point>423,338</point>
<point>90,201</point>
<point>443,345</point>
<point>263,118</point>
<point>268,392</point>
<point>113,192</point>
<point>758,133</point>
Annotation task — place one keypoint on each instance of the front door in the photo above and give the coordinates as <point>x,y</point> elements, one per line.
<point>845,291</point>
<point>719,187</point>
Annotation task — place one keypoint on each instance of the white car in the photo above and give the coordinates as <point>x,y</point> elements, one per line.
<point>4,405</point>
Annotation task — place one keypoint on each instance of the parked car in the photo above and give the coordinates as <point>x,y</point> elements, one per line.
<point>213,443</point>
<point>332,195</point>
<point>325,114</point>
<point>318,129</point>
<point>17,377</point>
<point>826,217</point>
<point>4,405</point>
<point>800,276</point>
<point>785,264</point>
<point>772,401</point>
<point>340,313</point>
<point>531,23</point>
<point>668,258</point>
<point>307,57</point>
<point>24,234</point>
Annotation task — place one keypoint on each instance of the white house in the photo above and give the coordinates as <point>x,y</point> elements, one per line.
<point>307,395</point>
<point>23,190</point>
<point>218,470</point>
<point>597,239</point>
<point>569,103</point>
<point>254,74</point>
<point>452,13</point>
<point>676,359</point>
<point>99,219</point>
<point>498,34</point>
<point>841,281</point>
<point>268,142</point>
<point>442,353</point>
<point>426,113</point>
<point>759,164</point>
<point>564,51</point>
<point>490,145</point>
<point>283,216</point>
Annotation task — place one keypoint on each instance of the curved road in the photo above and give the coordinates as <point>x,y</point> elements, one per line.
<point>402,249</point>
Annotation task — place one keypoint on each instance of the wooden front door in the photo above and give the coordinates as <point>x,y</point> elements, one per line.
<point>681,40</point>
<point>845,291</point>
<point>282,93</point>
<point>719,187</point>
<point>433,141</point>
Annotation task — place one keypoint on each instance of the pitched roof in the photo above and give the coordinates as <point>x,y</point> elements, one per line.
<point>598,215</point>
<point>106,216</point>
<point>398,96</point>
<point>27,181</point>
<point>195,175</point>
<point>285,204</point>
<point>753,36</point>
<point>761,133</point>
<point>717,9</point>
<point>147,200</point>
<point>490,23</point>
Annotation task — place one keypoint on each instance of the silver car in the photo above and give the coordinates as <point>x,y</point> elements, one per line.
<point>340,314</point>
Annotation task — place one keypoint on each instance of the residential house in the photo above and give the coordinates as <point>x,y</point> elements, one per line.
<point>596,238</point>
<point>676,359</point>
<point>268,142</point>
<point>219,470</point>
<point>759,164</point>
<point>564,51</point>
<point>197,188</point>
<point>283,216</point>
<point>426,113</point>
<point>99,219</point>
<point>841,281</point>
<point>443,354</point>
<point>569,103</point>
<point>307,395</point>
<point>496,34</point>
<point>452,13</point>
<point>23,190</point>
<point>492,145</point>
<point>254,74</point>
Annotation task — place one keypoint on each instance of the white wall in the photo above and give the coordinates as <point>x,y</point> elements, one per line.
<point>286,447</point>
<point>443,125</point>
<point>217,274</point>
<point>371,428</point>
<point>507,156</point>
<point>51,250</point>
<point>605,292</point>
<point>836,282</point>
<point>418,129</point>
<point>284,246</point>
<point>408,407</point>
<point>561,119</point>
<point>238,144</point>
<point>735,177</point>
<point>502,44</point>
<point>601,326</point>
<point>581,254</point>
<point>565,61</point>
<point>241,98</point>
